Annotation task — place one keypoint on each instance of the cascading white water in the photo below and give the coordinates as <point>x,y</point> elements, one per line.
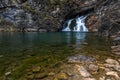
<point>68,26</point>
<point>79,27</point>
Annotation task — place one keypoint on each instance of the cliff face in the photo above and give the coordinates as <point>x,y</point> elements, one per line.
<point>106,18</point>
<point>40,15</point>
<point>49,15</point>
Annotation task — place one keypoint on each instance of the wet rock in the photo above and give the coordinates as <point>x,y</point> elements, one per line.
<point>30,77</point>
<point>30,30</point>
<point>75,77</point>
<point>89,79</point>
<point>7,73</point>
<point>113,73</point>
<point>40,75</point>
<point>116,49</point>
<point>107,69</point>
<point>117,38</point>
<point>116,41</point>
<point>1,56</point>
<point>112,61</point>
<point>85,43</point>
<point>102,78</point>
<point>62,76</point>
<point>117,53</point>
<point>109,78</point>
<point>92,23</point>
<point>80,59</point>
<point>69,73</point>
<point>93,67</point>
<point>42,30</point>
<point>30,73</point>
<point>82,70</point>
<point>116,67</point>
<point>51,74</point>
<point>55,79</point>
<point>36,69</point>
<point>119,60</point>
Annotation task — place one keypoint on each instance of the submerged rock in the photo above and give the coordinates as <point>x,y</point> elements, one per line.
<point>7,73</point>
<point>119,60</point>
<point>112,61</point>
<point>83,71</point>
<point>40,75</point>
<point>62,76</point>
<point>93,67</point>
<point>51,74</point>
<point>102,78</point>
<point>1,56</point>
<point>80,59</point>
<point>36,69</point>
<point>30,77</point>
<point>89,79</point>
<point>85,43</point>
<point>114,74</point>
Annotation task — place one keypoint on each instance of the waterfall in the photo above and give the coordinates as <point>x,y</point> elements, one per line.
<point>68,24</point>
<point>78,27</point>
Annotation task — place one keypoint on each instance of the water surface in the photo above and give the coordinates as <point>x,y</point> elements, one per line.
<point>19,52</point>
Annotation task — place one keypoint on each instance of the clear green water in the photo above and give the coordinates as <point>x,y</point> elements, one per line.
<point>21,51</point>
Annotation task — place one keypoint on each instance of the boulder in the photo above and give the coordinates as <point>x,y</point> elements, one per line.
<point>83,71</point>
<point>40,75</point>
<point>112,61</point>
<point>36,69</point>
<point>7,73</point>
<point>113,73</point>
<point>93,67</point>
<point>80,59</point>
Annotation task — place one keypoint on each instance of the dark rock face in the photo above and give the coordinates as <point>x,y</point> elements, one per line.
<point>50,15</point>
<point>110,20</point>
<point>92,22</point>
<point>106,18</point>
<point>37,15</point>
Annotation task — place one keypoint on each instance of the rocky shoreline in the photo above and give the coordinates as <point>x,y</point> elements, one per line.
<point>25,30</point>
<point>80,67</point>
<point>95,70</point>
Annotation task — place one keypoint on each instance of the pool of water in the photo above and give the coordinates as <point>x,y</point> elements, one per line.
<point>19,52</point>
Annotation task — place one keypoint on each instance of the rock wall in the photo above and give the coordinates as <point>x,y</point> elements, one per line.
<point>50,15</point>
<point>40,15</point>
<point>106,18</point>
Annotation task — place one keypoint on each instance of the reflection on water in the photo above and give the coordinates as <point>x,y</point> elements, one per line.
<point>15,41</point>
<point>76,37</point>
<point>80,37</point>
